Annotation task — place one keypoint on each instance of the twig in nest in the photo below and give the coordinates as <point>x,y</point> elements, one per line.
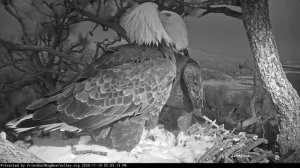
<point>82,152</point>
<point>232,150</point>
<point>235,148</point>
<point>210,153</point>
<point>252,136</point>
<point>216,150</point>
<point>226,145</point>
<point>268,154</point>
<point>214,123</point>
<point>255,144</point>
<point>258,158</point>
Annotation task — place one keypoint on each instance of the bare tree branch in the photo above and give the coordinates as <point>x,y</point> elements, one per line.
<point>207,5</point>
<point>46,57</point>
<point>226,11</point>
<point>13,86</point>
<point>21,47</point>
<point>104,45</point>
<point>98,7</point>
<point>113,24</point>
<point>16,16</point>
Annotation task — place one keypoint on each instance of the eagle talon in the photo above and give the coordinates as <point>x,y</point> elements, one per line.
<point>197,112</point>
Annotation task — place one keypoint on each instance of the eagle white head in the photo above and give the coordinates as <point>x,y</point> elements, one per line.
<point>146,25</point>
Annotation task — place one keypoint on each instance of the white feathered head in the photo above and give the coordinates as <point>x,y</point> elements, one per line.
<point>144,24</point>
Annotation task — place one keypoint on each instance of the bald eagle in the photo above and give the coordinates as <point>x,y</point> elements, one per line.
<point>186,95</point>
<point>122,93</point>
<point>187,91</point>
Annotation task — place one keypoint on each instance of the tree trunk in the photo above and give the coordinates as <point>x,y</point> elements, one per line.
<point>262,42</point>
<point>9,153</point>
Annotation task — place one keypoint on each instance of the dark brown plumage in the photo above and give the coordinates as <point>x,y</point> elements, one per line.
<point>115,97</point>
<point>187,92</point>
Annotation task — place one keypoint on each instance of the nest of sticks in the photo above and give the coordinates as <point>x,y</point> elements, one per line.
<point>232,147</point>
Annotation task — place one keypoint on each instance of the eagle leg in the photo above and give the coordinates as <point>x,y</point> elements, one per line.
<point>185,121</point>
<point>123,135</point>
<point>197,112</point>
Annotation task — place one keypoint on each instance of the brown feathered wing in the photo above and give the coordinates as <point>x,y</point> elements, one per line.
<point>131,81</point>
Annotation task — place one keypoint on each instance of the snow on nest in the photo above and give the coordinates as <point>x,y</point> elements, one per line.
<point>163,147</point>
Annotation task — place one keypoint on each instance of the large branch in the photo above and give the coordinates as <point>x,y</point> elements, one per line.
<point>226,11</point>
<point>207,5</point>
<point>11,153</point>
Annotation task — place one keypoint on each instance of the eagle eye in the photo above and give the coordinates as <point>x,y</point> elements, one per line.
<point>168,14</point>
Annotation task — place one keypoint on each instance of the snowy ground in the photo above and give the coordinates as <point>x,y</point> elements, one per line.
<point>164,147</point>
